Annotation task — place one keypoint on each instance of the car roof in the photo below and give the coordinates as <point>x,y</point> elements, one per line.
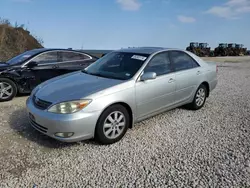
<point>143,50</point>
<point>54,49</point>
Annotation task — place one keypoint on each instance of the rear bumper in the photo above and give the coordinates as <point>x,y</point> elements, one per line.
<point>81,124</point>
<point>213,85</point>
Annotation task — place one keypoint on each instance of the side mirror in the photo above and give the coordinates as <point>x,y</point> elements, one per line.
<point>32,64</point>
<point>148,76</point>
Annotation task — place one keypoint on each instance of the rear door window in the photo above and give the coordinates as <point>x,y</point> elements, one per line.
<point>73,56</point>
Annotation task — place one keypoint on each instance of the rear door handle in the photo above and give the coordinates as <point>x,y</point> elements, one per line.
<point>170,80</point>
<point>198,72</point>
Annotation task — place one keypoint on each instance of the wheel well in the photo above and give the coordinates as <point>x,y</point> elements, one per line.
<point>11,79</point>
<point>129,112</point>
<point>127,108</point>
<point>207,87</point>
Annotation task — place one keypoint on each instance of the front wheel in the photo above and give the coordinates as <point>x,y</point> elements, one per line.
<point>199,98</point>
<point>8,89</point>
<point>112,124</point>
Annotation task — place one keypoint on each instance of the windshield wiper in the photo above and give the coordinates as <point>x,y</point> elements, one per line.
<point>101,75</point>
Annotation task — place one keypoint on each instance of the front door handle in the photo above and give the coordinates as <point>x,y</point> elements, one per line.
<point>170,80</point>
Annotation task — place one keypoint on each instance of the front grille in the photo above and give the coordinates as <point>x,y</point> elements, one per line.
<point>41,104</point>
<point>39,127</point>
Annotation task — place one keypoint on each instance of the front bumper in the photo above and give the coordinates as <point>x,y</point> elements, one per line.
<point>82,124</point>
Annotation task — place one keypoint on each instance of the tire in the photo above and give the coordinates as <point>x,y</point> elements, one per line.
<point>104,135</point>
<point>198,104</point>
<point>4,84</point>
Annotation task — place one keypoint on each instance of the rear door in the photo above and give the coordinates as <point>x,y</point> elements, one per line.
<point>188,74</point>
<point>73,61</point>
<point>157,94</point>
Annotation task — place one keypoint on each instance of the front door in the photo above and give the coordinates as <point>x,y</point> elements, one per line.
<point>47,68</point>
<point>159,93</point>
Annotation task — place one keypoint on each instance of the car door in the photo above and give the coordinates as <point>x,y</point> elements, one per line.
<point>188,74</point>
<point>46,68</point>
<point>73,61</point>
<point>157,94</point>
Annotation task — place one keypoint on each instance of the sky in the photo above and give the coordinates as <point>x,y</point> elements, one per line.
<point>115,24</point>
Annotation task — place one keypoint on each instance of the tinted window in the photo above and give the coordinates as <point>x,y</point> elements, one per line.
<point>48,57</point>
<point>73,56</point>
<point>182,61</point>
<point>23,57</point>
<point>160,64</point>
<point>117,65</point>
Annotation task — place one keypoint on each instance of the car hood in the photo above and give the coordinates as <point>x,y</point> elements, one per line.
<point>6,67</point>
<point>73,87</point>
<point>3,66</point>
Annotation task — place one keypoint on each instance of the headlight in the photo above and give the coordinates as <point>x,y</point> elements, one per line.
<point>69,107</point>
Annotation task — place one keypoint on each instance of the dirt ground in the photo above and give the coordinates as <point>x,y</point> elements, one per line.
<point>231,59</point>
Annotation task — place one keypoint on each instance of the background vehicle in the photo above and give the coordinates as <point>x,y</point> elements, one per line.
<point>118,90</point>
<point>241,50</point>
<point>199,49</point>
<point>232,50</point>
<point>204,49</point>
<point>221,50</point>
<point>193,47</point>
<point>25,71</point>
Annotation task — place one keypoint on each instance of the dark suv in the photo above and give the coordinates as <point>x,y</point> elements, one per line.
<point>25,71</point>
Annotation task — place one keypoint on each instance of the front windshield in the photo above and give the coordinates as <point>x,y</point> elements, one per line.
<point>117,65</point>
<point>21,57</point>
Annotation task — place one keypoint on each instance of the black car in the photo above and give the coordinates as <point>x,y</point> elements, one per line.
<point>25,71</point>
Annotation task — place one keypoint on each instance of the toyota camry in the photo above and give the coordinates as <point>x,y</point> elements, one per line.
<point>118,90</point>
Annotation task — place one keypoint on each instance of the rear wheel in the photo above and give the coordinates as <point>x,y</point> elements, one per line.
<point>8,89</point>
<point>199,98</point>
<point>112,124</point>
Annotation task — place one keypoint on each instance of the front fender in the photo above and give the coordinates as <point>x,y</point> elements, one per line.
<point>14,76</point>
<point>126,96</point>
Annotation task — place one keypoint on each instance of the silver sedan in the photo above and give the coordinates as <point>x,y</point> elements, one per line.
<point>118,90</point>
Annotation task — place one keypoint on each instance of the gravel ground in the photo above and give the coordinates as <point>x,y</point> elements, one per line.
<point>179,148</point>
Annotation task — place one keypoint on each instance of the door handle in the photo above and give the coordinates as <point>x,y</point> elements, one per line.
<point>170,80</point>
<point>198,72</point>
<point>55,66</point>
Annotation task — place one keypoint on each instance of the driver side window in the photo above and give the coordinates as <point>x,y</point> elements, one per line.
<point>160,64</point>
<point>48,57</point>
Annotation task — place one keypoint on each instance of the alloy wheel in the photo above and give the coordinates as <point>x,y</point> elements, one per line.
<point>114,125</point>
<point>200,97</point>
<point>6,90</point>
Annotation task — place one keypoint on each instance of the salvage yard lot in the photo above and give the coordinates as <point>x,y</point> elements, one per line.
<point>179,148</point>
